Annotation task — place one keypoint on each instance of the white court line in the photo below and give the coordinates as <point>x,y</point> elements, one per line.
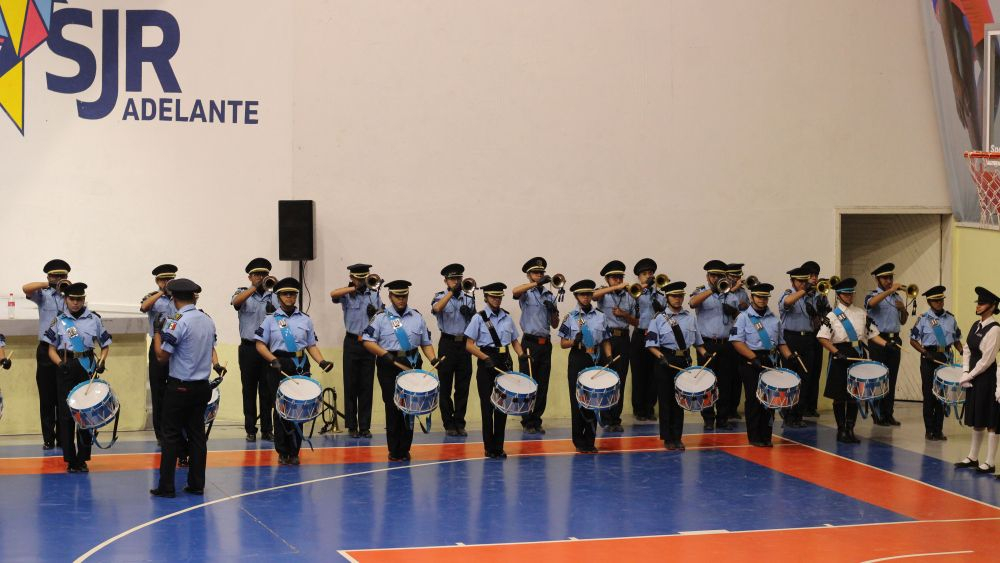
<point>914,555</point>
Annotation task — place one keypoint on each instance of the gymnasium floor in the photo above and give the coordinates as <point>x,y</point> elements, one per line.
<point>808,498</point>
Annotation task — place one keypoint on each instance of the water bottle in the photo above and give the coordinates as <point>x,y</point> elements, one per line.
<point>10,305</point>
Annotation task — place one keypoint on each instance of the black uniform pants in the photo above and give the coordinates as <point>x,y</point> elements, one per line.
<point>724,365</point>
<point>541,368</point>
<point>810,394</point>
<point>803,344</point>
<point>933,407</point>
<point>888,355</point>
<point>644,379</point>
<point>359,384</point>
<point>621,347</point>
<point>671,414</point>
<point>760,419</point>
<point>253,376</point>
<point>287,434</point>
<point>157,386</point>
<point>48,396</point>
<point>584,421</point>
<point>75,442</point>
<point>455,370</point>
<point>184,405</point>
<point>494,421</point>
<point>398,429</point>
<point>846,413</point>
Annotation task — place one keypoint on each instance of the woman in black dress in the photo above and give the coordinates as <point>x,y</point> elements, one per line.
<point>979,377</point>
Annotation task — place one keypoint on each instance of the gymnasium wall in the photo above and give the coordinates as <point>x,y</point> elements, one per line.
<point>436,131</point>
<point>977,263</point>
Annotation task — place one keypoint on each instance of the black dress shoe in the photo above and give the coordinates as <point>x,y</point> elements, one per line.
<point>193,491</point>
<point>394,457</point>
<point>184,462</point>
<point>451,432</point>
<point>282,460</point>
<point>851,438</point>
<point>930,436</point>
<point>669,445</point>
<point>680,445</point>
<point>251,437</point>
<point>966,463</point>
<point>462,432</point>
<point>811,414</point>
<point>267,436</point>
<point>355,434</point>
<point>989,469</point>
<point>70,468</point>
<point>540,429</point>
<point>530,430</point>
<point>709,425</point>
<point>162,493</point>
<point>892,420</point>
<point>724,425</point>
<point>941,437</point>
<point>842,437</point>
<point>82,467</point>
<point>294,460</point>
<point>881,422</point>
<point>406,456</point>
<point>366,434</point>
<point>48,445</point>
<point>489,454</point>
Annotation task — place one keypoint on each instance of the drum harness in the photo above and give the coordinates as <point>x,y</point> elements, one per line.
<point>88,365</point>
<point>868,405</point>
<point>948,358</point>
<point>412,356</point>
<point>765,340</point>
<point>588,343</point>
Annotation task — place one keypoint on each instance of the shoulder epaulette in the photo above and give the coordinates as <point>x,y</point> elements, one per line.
<point>96,314</point>
<point>504,310</point>
<point>178,316</point>
<point>241,290</point>
<point>206,314</point>
<point>150,294</point>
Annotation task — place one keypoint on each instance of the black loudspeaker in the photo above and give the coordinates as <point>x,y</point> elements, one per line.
<point>296,220</point>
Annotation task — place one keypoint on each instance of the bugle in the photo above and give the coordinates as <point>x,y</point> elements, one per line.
<point>373,281</point>
<point>661,281</point>
<point>469,285</point>
<point>558,281</point>
<point>635,290</point>
<point>269,282</point>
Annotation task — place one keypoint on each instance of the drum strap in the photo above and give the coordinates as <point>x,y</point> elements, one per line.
<point>404,340</point>
<point>765,338</point>
<point>588,336</point>
<point>114,434</point>
<point>852,334</point>
<point>678,333</point>
<point>76,341</point>
<point>939,336</point>
<point>290,345</point>
<point>491,328</point>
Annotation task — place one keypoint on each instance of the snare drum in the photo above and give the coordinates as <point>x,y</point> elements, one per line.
<point>868,380</point>
<point>93,404</point>
<point>213,406</point>
<point>1,405</point>
<point>778,388</point>
<point>514,393</point>
<point>696,388</point>
<point>416,392</point>
<point>946,386</point>
<point>298,398</point>
<point>597,388</point>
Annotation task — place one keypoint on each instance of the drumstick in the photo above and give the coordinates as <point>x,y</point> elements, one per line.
<point>401,366</point>
<point>612,360</point>
<point>710,358</point>
<point>441,359</point>
<point>296,381</point>
<point>801,363</point>
<point>528,353</point>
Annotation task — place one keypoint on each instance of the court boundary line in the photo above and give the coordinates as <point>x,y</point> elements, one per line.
<point>915,555</point>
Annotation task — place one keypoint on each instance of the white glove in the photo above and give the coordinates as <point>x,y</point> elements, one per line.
<point>966,381</point>
<point>997,394</point>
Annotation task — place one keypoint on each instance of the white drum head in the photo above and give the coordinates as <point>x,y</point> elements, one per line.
<point>417,381</point>
<point>215,396</point>
<point>517,384</point>
<point>695,381</point>
<point>300,389</point>
<point>779,379</point>
<point>951,374</point>
<point>599,378</point>
<point>84,398</point>
<point>868,370</point>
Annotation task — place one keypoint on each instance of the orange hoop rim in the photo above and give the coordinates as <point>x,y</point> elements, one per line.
<point>982,154</point>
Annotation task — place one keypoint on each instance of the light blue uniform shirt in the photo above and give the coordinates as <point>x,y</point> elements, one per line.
<point>712,321</point>
<point>645,306</point>
<point>595,321</point>
<point>382,332</point>
<point>661,332</point>
<point>621,299</point>
<point>744,330</point>
<point>923,330</point>
<point>269,332</point>
<point>355,306</point>
<point>252,312</point>
<point>884,315</point>
<point>795,317</point>
<point>502,322</point>
<point>189,339</point>
<point>50,303</point>
<point>88,326</point>
<point>534,315</point>
<point>450,319</point>
<point>162,307</point>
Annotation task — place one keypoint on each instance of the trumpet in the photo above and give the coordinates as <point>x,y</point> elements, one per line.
<point>824,285</point>
<point>558,281</point>
<point>722,286</point>
<point>373,281</point>
<point>635,290</point>
<point>469,285</point>
<point>269,283</point>
<point>751,281</point>
<point>62,284</point>
<point>912,291</point>
<point>661,281</point>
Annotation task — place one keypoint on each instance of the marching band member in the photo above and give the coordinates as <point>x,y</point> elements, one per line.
<point>157,304</point>
<point>933,335</point>
<point>585,332</point>
<point>644,380</point>
<point>818,306</point>
<point>796,324</point>
<point>979,377</point>
<point>5,362</point>
<point>737,298</point>
<point>453,310</point>
<point>49,299</point>
<point>757,336</point>
<point>489,337</point>
<point>252,305</point>
<point>716,313</point>
<point>888,311</point>
<point>393,337</point>
<point>186,342</point>
<point>72,337</point>
<point>841,337</point>
<point>283,340</point>
<point>669,338</point>
<point>539,315</point>
<point>617,304</point>
<point>360,303</point>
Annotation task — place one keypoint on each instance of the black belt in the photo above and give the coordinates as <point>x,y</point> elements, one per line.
<point>250,342</point>
<point>493,349</point>
<point>284,354</point>
<point>760,353</point>
<point>185,382</point>
<point>799,332</point>
<point>400,354</point>
<point>352,336</point>
<point>935,348</point>
<point>885,335</point>
<point>672,352</point>
<point>619,332</point>
<point>715,340</point>
<point>455,337</point>
<point>541,340</point>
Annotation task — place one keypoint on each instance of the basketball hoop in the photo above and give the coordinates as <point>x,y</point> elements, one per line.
<point>985,170</point>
